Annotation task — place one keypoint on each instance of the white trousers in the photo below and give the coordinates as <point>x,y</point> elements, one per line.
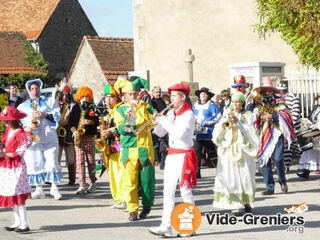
<point>172,176</point>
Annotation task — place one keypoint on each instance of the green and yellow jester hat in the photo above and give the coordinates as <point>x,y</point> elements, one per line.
<point>126,86</point>
<point>109,89</point>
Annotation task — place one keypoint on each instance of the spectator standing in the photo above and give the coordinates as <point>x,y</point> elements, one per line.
<point>293,104</point>
<point>207,114</point>
<point>14,99</point>
<point>158,104</point>
<point>226,100</point>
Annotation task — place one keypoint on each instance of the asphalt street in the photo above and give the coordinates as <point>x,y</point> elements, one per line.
<point>90,216</point>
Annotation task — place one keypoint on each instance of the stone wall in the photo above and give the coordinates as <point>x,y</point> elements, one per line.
<point>62,36</point>
<point>87,72</point>
<point>218,32</point>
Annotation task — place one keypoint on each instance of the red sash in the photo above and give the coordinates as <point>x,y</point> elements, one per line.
<point>189,169</point>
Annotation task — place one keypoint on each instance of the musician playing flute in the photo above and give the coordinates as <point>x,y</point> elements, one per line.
<point>237,141</point>
<point>66,143</point>
<point>137,153</point>
<point>112,150</point>
<point>181,161</point>
<point>42,157</point>
<point>84,144</point>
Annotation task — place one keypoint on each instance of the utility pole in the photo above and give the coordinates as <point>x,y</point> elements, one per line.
<point>190,59</point>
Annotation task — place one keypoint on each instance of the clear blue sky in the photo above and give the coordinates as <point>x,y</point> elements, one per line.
<point>110,18</point>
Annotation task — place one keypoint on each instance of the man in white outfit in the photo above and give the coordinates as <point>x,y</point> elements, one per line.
<point>42,157</point>
<point>181,161</point>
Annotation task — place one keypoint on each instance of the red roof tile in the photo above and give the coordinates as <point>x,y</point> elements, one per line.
<point>12,54</point>
<point>27,16</point>
<point>114,55</point>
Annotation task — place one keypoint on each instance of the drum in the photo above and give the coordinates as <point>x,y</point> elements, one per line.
<point>305,143</point>
<point>312,133</point>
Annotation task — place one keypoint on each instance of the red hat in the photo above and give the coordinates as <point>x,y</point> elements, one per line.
<point>267,84</point>
<point>239,81</point>
<point>11,113</point>
<point>179,87</point>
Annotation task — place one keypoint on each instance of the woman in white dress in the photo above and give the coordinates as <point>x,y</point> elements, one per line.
<point>237,141</point>
<point>310,159</point>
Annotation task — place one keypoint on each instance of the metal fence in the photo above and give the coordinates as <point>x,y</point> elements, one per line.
<point>305,84</point>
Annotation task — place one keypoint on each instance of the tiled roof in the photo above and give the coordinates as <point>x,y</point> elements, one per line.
<point>15,70</point>
<point>12,54</point>
<point>112,75</point>
<point>114,55</point>
<point>27,16</point>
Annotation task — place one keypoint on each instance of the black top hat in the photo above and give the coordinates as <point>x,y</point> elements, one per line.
<point>206,90</point>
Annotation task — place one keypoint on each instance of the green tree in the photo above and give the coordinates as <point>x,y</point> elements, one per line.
<point>297,21</point>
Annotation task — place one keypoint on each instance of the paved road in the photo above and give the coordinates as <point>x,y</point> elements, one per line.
<point>90,216</point>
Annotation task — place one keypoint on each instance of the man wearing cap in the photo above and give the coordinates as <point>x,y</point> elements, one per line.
<point>66,143</point>
<point>42,156</point>
<point>293,104</point>
<point>111,153</point>
<point>274,123</point>
<point>207,114</point>
<point>181,161</point>
<point>137,153</point>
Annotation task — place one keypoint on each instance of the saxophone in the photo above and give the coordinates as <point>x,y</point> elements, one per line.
<point>35,122</point>
<point>61,131</point>
<point>101,142</point>
<point>80,130</point>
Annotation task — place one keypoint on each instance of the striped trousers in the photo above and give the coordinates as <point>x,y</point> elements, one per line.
<point>85,152</point>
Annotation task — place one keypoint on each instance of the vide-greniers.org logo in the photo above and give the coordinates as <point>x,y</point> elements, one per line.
<point>250,219</point>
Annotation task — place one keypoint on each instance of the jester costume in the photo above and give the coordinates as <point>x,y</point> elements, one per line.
<point>137,153</point>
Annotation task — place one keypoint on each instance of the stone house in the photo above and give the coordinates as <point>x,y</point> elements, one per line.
<point>99,61</point>
<point>54,27</point>
<point>218,32</point>
<point>12,55</point>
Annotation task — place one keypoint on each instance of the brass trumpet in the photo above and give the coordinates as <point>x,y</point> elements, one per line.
<point>150,122</point>
<point>228,124</point>
<point>128,127</point>
<point>263,108</point>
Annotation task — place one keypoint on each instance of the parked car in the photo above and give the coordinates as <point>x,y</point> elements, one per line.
<point>52,92</point>
<point>49,92</point>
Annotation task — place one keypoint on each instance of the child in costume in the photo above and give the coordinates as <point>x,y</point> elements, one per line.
<point>14,186</point>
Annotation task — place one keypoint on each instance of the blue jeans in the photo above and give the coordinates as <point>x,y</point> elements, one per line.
<point>277,157</point>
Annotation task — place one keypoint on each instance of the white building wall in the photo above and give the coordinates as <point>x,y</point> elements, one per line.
<point>87,72</point>
<point>218,32</point>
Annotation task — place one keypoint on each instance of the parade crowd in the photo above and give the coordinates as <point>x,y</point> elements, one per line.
<point>241,133</point>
